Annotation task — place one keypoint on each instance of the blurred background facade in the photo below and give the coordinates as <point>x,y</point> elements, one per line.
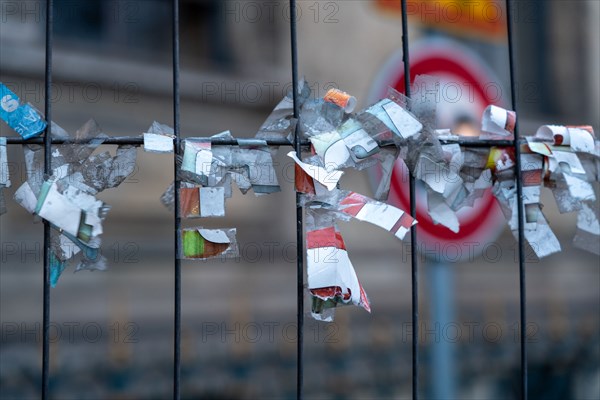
<point>113,331</point>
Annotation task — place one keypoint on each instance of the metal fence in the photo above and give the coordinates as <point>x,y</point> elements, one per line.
<point>298,145</point>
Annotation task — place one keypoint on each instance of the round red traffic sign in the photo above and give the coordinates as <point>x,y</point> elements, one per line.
<point>466,87</point>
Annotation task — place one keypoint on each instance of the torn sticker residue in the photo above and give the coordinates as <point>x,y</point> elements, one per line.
<point>588,228</point>
<point>206,174</point>
<point>318,173</point>
<point>253,158</point>
<point>23,118</point>
<point>565,159</point>
<point>67,198</point>
<point>401,122</point>
<point>332,280</point>
<point>498,123</point>
<point>383,215</point>
<point>159,139</point>
<point>281,124</point>
<point>203,244</point>
<point>578,138</point>
<point>197,157</point>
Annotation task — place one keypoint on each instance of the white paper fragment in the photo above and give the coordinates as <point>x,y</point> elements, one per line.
<point>380,214</point>
<point>90,205</point>
<point>588,229</point>
<point>329,179</point>
<point>157,143</point>
<point>332,150</point>
<point>580,139</point>
<point>203,162</point>
<point>406,124</point>
<point>498,121</point>
<point>542,240</point>
<point>212,202</point>
<point>25,197</point>
<point>588,221</point>
<point>332,280</point>
<point>441,213</point>
<point>68,248</point>
<point>566,161</point>
<point>330,266</point>
<point>538,147</point>
<point>58,210</point>
<point>336,156</point>
<point>360,139</point>
<point>197,157</point>
<point>439,177</point>
<point>579,189</point>
<point>214,235</point>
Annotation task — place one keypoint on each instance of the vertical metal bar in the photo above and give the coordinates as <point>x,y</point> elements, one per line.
<point>520,210</point>
<point>177,261</point>
<point>47,172</point>
<point>299,211</point>
<point>413,213</point>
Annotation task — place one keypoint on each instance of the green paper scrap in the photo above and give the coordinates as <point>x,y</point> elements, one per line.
<point>193,244</point>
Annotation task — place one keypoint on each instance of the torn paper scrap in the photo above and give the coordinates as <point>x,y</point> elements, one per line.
<point>587,236</point>
<point>341,99</point>
<point>26,198</point>
<point>72,211</point>
<point>159,138</point>
<point>531,174</point>
<point>331,276</point>
<point>498,121</point>
<point>383,215</point>
<point>23,118</point>
<point>212,202</point>
<point>303,182</point>
<point>202,244</point>
<point>357,140</point>
<point>537,231</point>
<point>254,158</point>
<point>67,199</point>
<point>579,138</point>
<point>281,124</point>
<point>328,179</point>
<point>564,201</point>
<point>441,213</point>
<point>402,123</point>
<point>55,208</point>
<point>196,201</point>
<point>157,143</point>
<point>579,189</point>
<point>197,156</point>
<point>438,176</point>
<point>189,200</point>
<point>542,240</point>
<point>538,147</point>
<point>332,150</point>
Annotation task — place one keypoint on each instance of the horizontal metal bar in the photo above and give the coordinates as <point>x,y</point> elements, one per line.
<point>139,140</point>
